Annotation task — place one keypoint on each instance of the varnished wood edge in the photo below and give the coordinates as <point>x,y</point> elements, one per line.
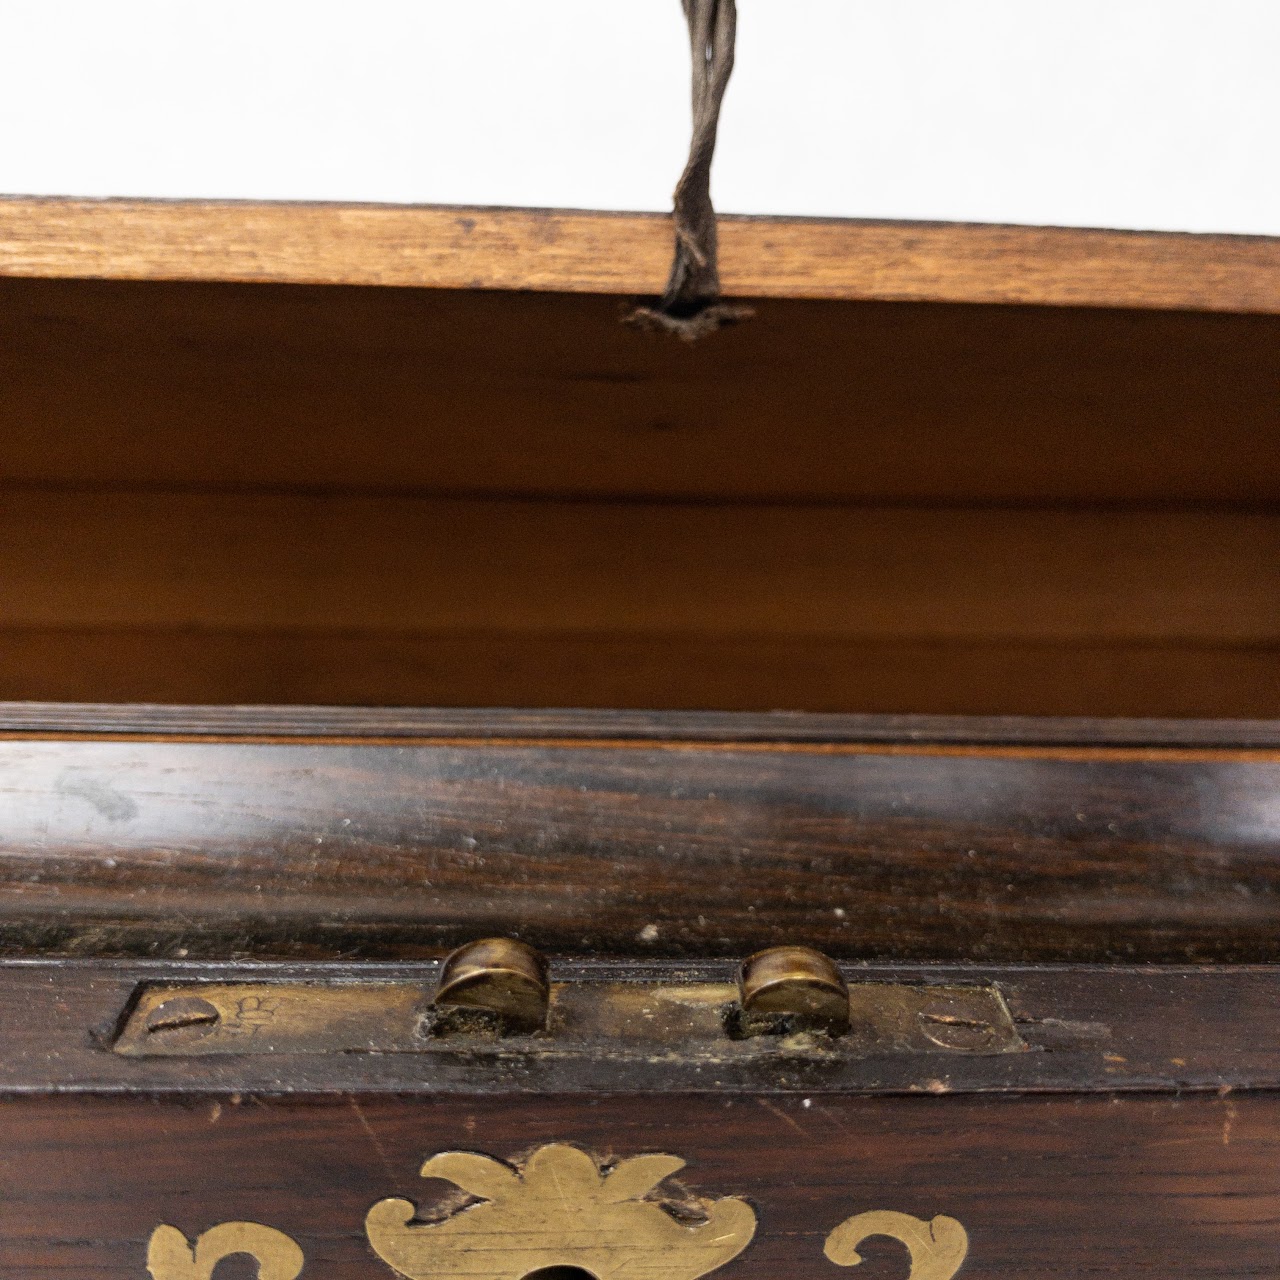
<point>238,723</point>
<point>628,253</point>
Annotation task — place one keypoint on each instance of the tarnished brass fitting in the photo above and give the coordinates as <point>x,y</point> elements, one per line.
<point>498,977</point>
<point>787,989</point>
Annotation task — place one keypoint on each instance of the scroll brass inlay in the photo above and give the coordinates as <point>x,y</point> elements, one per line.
<point>938,1247</point>
<point>560,1210</point>
<point>170,1256</point>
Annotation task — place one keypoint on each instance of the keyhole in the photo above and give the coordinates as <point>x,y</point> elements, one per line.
<point>237,1266</point>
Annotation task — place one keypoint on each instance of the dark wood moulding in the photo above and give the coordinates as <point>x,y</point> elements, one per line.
<point>166,721</point>
<point>389,835</point>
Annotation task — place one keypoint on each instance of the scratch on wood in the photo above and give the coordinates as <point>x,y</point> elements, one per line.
<point>373,1137</point>
<point>782,1115</point>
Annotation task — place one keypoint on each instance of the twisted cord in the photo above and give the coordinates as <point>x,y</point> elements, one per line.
<point>691,306</point>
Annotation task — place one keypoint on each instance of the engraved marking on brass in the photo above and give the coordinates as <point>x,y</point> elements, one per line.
<point>938,1248</point>
<point>560,1209</point>
<point>170,1256</point>
<point>262,1017</point>
<point>789,989</point>
<point>499,977</point>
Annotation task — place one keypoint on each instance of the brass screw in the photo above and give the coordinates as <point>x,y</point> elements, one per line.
<point>498,976</point>
<point>793,988</point>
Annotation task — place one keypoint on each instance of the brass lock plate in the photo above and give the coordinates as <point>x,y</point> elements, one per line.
<point>632,1020</point>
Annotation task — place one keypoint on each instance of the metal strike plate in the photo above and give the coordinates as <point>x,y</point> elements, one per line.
<point>637,1020</point>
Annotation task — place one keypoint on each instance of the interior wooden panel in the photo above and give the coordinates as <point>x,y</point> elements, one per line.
<point>741,673</point>
<point>396,390</point>
<point>419,600</point>
<point>227,562</point>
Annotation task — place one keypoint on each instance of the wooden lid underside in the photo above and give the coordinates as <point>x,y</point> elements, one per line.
<point>234,473</point>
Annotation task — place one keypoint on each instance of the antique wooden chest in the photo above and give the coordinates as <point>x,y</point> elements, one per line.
<point>965,963</point>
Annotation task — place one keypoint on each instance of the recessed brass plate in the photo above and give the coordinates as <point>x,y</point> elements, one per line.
<point>624,1020</point>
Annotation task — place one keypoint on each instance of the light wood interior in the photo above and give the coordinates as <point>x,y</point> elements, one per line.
<point>290,493</point>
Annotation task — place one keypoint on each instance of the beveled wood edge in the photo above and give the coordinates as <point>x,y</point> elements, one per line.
<point>629,253</point>
<point>96,720</point>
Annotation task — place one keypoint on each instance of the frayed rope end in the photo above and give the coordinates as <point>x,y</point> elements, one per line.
<point>701,324</point>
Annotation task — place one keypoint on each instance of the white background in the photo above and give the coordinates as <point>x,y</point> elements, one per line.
<point>1125,113</point>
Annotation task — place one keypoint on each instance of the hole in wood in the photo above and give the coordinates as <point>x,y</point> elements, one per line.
<point>560,1273</point>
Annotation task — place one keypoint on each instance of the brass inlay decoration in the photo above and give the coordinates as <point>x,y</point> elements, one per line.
<point>937,1248</point>
<point>560,1209</point>
<point>171,1256</point>
<point>557,1212</point>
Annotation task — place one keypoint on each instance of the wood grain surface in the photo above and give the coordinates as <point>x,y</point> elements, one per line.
<point>568,251</point>
<point>1143,1187</point>
<point>626,847</point>
<point>286,563</point>
<point>744,673</point>
<point>116,385</point>
<point>287,598</point>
